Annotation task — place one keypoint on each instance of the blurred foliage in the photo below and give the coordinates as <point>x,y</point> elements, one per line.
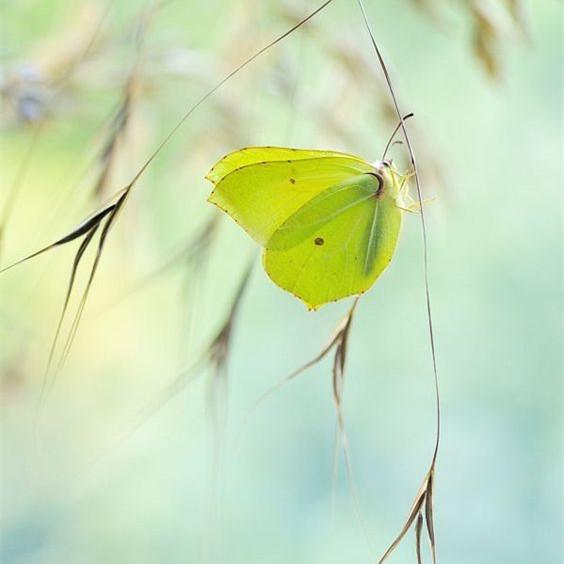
<point>117,467</point>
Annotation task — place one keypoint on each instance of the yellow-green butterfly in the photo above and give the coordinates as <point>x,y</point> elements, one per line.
<point>328,221</point>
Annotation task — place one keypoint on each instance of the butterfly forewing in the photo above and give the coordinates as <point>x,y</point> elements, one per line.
<point>262,196</point>
<point>255,155</point>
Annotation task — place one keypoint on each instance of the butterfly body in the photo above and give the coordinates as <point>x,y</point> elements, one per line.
<point>328,221</point>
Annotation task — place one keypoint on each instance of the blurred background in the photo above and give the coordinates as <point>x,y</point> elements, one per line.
<point>135,456</point>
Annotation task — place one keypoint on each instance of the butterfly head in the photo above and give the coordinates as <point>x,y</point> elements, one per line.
<point>392,180</point>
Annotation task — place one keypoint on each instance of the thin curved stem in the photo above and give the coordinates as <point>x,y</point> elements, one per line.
<point>423,228</point>
<point>425,494</point>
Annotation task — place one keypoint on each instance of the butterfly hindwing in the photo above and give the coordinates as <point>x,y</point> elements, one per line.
<point>336,245</point>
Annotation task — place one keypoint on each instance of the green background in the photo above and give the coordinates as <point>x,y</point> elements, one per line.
<point>78,486</point>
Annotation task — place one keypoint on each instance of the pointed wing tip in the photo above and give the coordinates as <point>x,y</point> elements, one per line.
<point>211,199</point>
<point>210,176</point>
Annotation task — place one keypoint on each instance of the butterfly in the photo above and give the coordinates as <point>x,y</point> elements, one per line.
<point>328,221</point>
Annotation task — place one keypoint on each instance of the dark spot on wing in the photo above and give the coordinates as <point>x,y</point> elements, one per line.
<point>319,241</point>
<point>292,180</point>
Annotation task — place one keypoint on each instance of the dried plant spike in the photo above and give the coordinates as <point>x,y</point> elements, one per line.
<point>82,229</point>
<point>418,530</point>
<point>219,348</point>
<point>125,191</point>
<point>76,263</point>
<point>101,243</point>
<point>183,119</point>
<point>429,513</point>
<point>117,201</point>
<point>413,512</point>
<point>516,9</point>
<point>336,337</point>
<point>423,501</point>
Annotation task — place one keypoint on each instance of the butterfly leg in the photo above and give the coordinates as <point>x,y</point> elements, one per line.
<point>415,207</point>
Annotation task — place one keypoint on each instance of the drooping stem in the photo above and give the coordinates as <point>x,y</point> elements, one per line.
<point>423,229</point>
<point>425,495</point>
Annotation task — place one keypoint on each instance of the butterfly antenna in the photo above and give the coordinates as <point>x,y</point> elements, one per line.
<point>391,142</point>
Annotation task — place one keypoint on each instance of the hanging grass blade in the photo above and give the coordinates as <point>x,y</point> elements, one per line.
<point>121,196</point>
<point>429,514</point>
<point>339,361</point>
<point>83,228</point>
<point>340,330</point>
<point>413,512</point>
<point>120,121</point>
<point>101,243</point>
<point>218,383</point>
<point>337,343</point>
<point>76,262</point>
<point>88,229</point>
<point>418,530</point>
<point>108,152</point>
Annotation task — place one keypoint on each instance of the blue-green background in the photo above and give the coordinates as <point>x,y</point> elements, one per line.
<point>78,487</point>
